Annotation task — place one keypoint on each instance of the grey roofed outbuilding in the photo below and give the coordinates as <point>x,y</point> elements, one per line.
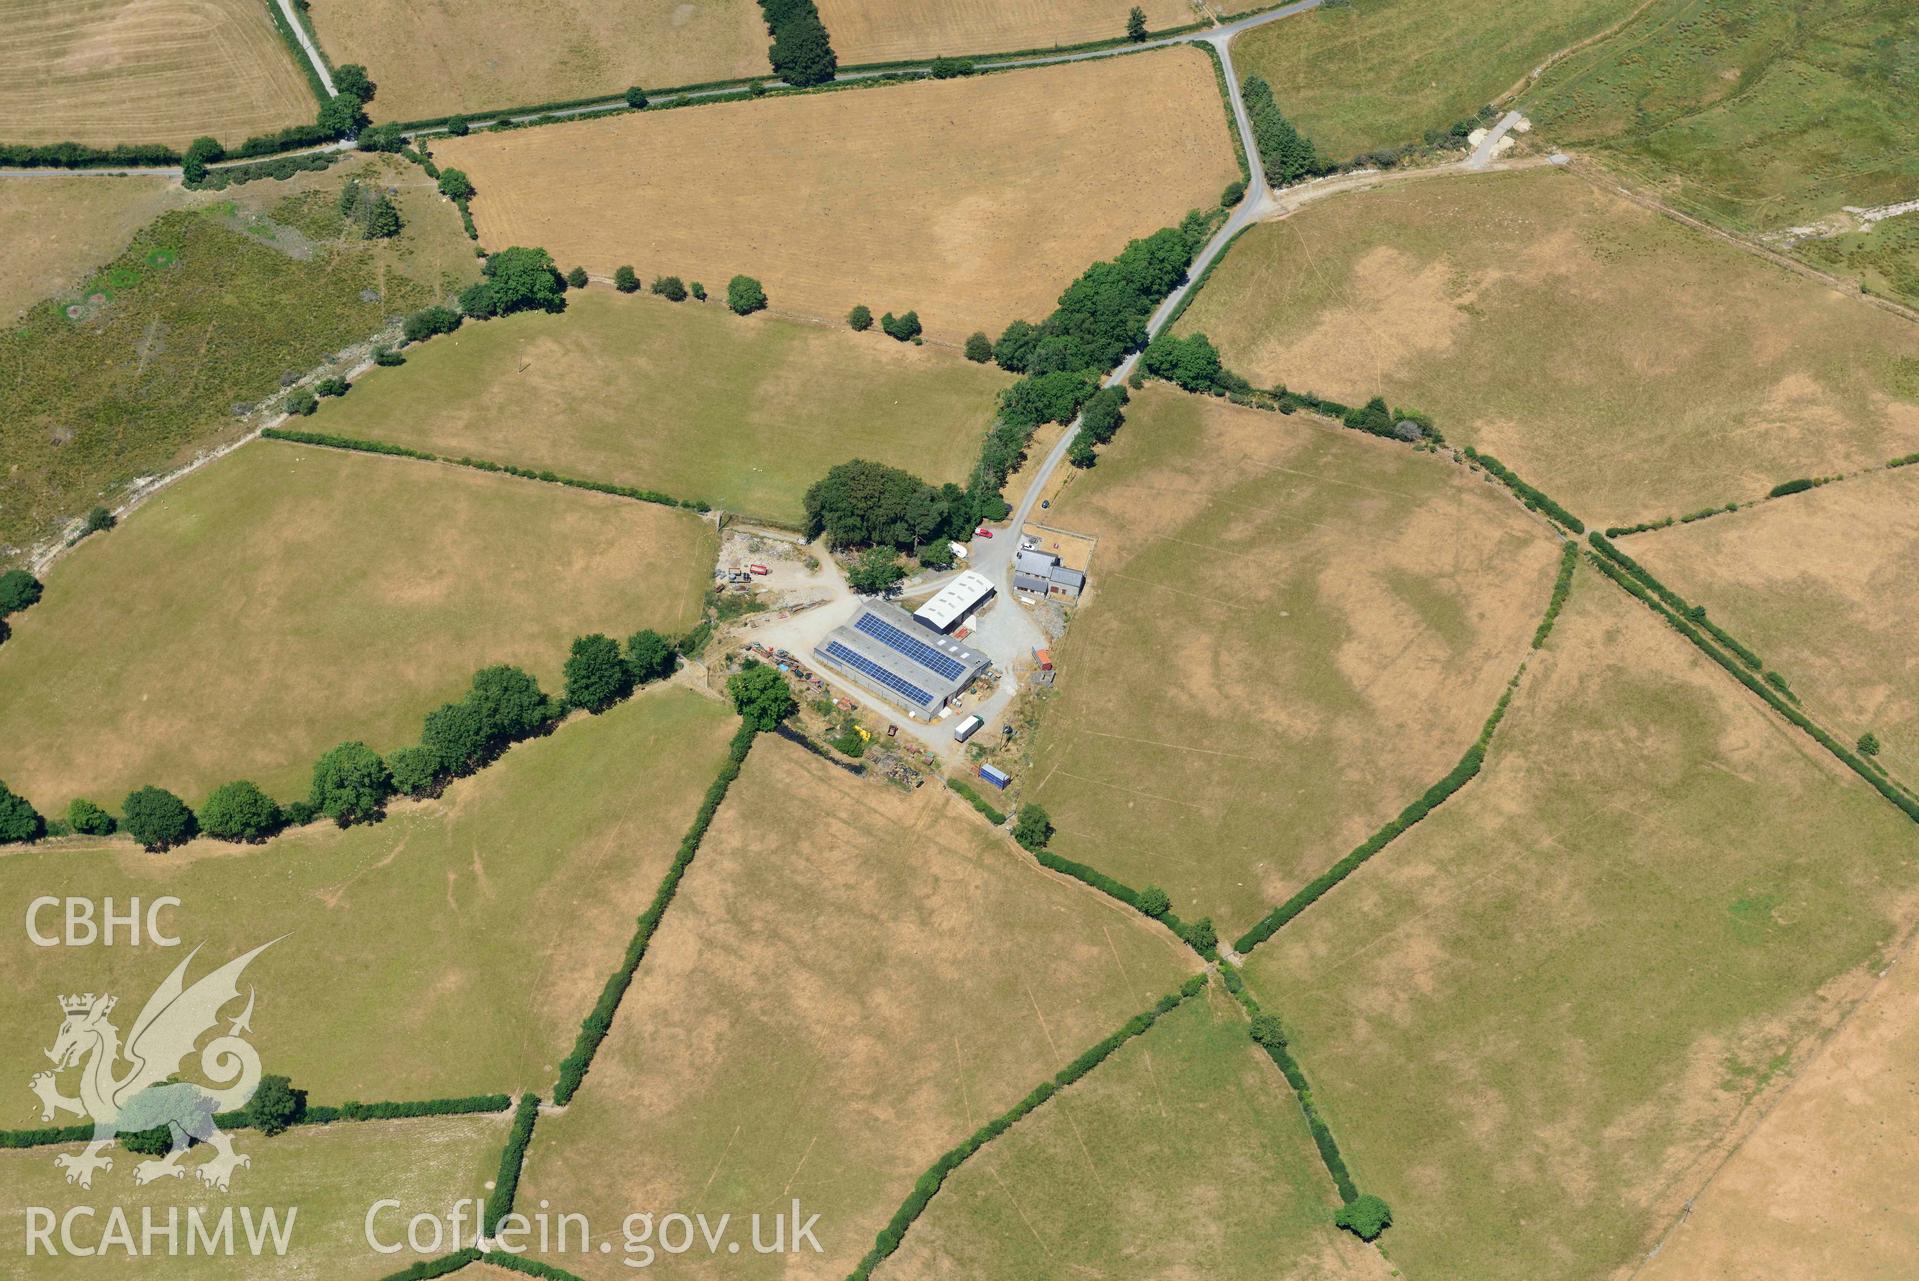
<point>887,651</point>
<point>1031,561</point>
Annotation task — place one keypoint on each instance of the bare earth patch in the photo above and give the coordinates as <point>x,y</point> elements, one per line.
<point>936,196</point>
<point>829,1004</point>
<point>1294,630</point>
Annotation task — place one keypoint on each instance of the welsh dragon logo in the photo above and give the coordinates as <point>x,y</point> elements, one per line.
<point>143,1095</point>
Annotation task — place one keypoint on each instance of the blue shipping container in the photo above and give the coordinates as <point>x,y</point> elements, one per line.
<point>997,777</point>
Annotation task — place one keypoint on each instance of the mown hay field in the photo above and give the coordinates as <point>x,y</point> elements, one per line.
<point>448,56</point>
<point>325,1177</point>
<point>130,370</point>
<point>1758,114</point>
<point>971,201</point>
<point>57,229</point>
<point>1629,366</point>
<point>1294,630</point>
<point>1184,1155</point>
<point>449,950</point>
<point>1536,1019</point>
<point>1825,586</point>
<point>102,72</point>
<point>831,1003</point>
<point>284,599</point>
<point>901,29</point>
<point>1376,74</point>
<point>688,399</point>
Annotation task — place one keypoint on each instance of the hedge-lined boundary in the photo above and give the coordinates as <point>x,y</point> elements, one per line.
<point>324,440</point>
<point>1288,1066</point>
<point>977,801</point>
<point>442,1266</point>
<point>1884,786</point>
<point>280,167</point>
<point>1562,588</point>
<point>470,1105</point>
<point>929,1183</point>
<point>1461,774</point>
<point>1673,600</point>
<point>73,155</point>
<point>530,1267</point>
<point>1535,499</point>
<point>291,39</point>
<point>506,1185</point>
<point>1124,893</point>
<point>595,1026</point>
<point>1232,127</point>
<point>1206,272</point>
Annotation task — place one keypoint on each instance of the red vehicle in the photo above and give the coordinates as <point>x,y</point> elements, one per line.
<point>761,570</point>
<point>982,532</point>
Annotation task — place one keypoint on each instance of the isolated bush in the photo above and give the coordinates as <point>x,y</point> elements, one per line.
<point>1153,901</point>
<point>671,288</point>
<point>1136,24</point>
<point>1234,192</point>
<point>699,291</point>
<point>350,784</point>
<point>240,811</point>
<point>428,321</point>
<point>1032,828</point>
<point>1268,1031</point>
<point>18,590</point>
<point>458,127</point>
<point>200,153</point>
<point>744,295</point>
<point>1784,488</point>
<point>302,401</point>
<point>636,98</point>
<point>625,280</point>
<point>596,676</point>
<point>275,1106</point>
<point>649,656</point>
<point>416,771</point>
<point>299,813</point>
<point>19,821</point>
<point>330,387</point>
<point>576,279</point>
<point>1365,1217</point>
<point>99,520</point>
<point>901,328</point>
<point>88,819</point>
<point>1868,744</point>
<point>157,819</point>
<point>860,318</point>
<point>761,696</point>
<point>455,185</point>
<point>386,356</point>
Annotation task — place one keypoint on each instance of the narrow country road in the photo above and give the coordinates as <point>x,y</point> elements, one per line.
<point>306,42</point>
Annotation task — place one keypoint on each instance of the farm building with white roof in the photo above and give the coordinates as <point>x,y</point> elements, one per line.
<point>955,601</point>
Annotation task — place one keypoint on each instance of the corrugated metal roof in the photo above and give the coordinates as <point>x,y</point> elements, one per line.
<point>954,600</point>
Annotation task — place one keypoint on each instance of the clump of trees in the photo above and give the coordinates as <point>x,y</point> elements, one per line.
<point>516,279</point>
<point>18,590</point>
<point>157,819</point>
<point>19,821</point>
<point>671,288</point>
<point>877,569</point>
<point>1191,362</point>
<point>240,811</point>
<point>744,295</point>
<point>597,676</point>
<point>901,328</point>
<point>88,819</point>
<point>1365,1216</point>
<point>1285,154</point>
<point>1032,828</point>
<point>802,53</point>
<point>861,504</point>
<point>371,210</point>
<point>761,696</point>
<point>428,321</point>
<point>455,185</point>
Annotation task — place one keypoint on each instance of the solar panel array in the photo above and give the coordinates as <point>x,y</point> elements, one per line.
<point>863,664</point>
<point>917,650</point>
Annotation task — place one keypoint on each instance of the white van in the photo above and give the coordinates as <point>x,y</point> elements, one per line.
<point>967,728</point>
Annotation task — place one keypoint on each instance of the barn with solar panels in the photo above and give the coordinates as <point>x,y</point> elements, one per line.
<point>885,650</point>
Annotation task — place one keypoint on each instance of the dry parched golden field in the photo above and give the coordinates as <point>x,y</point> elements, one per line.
<point>158,71</point>
<point>972,201</point>
<point>57,229</point>
<point>438,57</point>
<point>892,30</point>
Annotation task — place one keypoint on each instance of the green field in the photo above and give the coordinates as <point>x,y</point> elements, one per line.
<point>1376,74</point>
<point>1295,629</point>
<point>689,400</point>
<point>203,314</point>
<point>1629,366</point>
<point>1533,1018</point>
<point>1758,114</point>
<point>851,980</point>
<point>285,599</point>
<point>449,950</point>
<point>327,1176</point>
<point>1184,1155</point>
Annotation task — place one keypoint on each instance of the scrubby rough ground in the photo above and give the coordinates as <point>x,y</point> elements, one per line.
<point>102,72</point>
<point>893,30</point>
<point>57,229</point>
<point>1533,1019</point>
<point>689,400</point>
<point>943,197</point>
<point>850,981</point>
<point>1627,365</point>
<point>285,599</point>
<point>1183,1156</point>
<point>332,1173</point>
<point>1294,631</point>
<point>1818,1189</point>
<point>1825,586</point>
<point>441,57</point>
<point>446,951</point>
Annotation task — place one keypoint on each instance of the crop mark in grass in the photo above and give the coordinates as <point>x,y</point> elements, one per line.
<point>1117,787</point>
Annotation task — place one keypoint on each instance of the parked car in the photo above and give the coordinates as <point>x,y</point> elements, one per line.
<point>982,532</point>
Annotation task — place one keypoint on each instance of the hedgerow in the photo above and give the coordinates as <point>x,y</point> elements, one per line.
<point>928,1184</point>
<point>72,155</point>
<point>314,1115</point>
<point>977,801</point>
<point>596,1025</point>
<point>439,1267</point>
<point>1679,623</point>
<point>1562,587</point>
<point>530,1267</point>
<point>1277,1050</point>
<point>499,1203</point>
<point>1786,487</point>
<point>1533,498</point>
<point>1696,614</point>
